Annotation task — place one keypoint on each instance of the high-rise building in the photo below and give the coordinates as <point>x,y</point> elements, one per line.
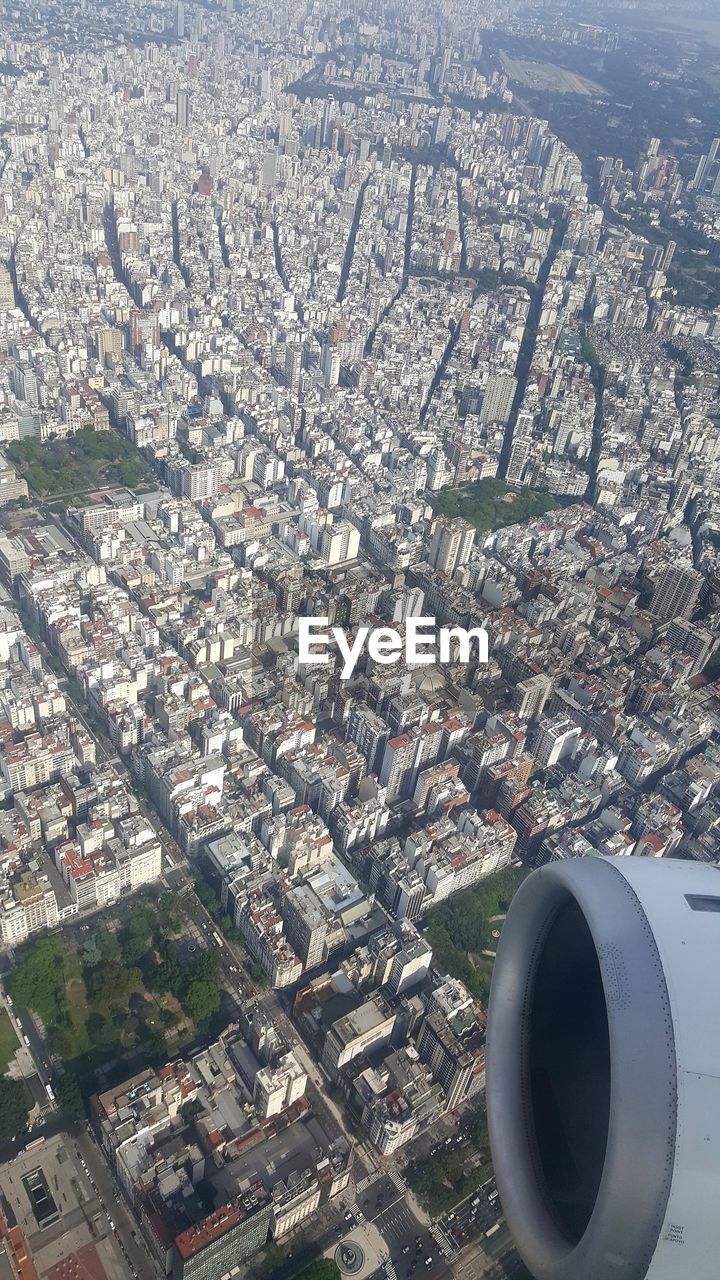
<point>400,764</point>
<point>306,925</point>
<point>453,1051</point>
<point>279,1086</point>
<point>451,544</point>
<point>529,696</point>
<point>443,66</point>
<point>328,120</point>
<point>330,365</point>
<point>668,255</point>
<point>180,20</point>
<point>223,1240</point>
<point>339,542</point>
<point>293,367</point>
<point>144,332</point>
<point>182,109</point>
<point>442,124</point>
<point>366,1028</point>
<point>268,177</point>
<point>555,740</point>
<point>707,174</point>
<point>498,398</point>
<point>676,592</point>
<point>411,962</point>
<point>109,344</point>
<point>697,642</point>
<point>519,456</point>
<point>7,293</point>
<point>369,733</point>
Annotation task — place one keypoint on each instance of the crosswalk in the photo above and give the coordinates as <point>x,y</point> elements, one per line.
<point>372,1178</point>
<point>447,1246</point>
<point>377,1176</point>
<point>364,1183</point>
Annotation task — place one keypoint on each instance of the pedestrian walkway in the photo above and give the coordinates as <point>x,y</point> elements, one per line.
<point>394,1177</point>
<point>447,1246</point>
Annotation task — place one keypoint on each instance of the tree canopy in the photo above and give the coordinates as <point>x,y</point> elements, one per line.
<point>202,1000</point>
<point>39,979</point>
<point>454,1172</point>
<point>490,504</point>
<point>69,1097</point>
<point>85,460</point>
<point>136,937</point>
<point>15,1106</point>
<point>460,929</point>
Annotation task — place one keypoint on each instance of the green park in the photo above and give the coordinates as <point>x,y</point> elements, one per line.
<point>490,504</point>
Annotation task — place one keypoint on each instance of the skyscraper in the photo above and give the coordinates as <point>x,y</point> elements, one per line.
<point>182,108</point>
<point>707,174</point>
<point>451,545</point>
<point>676,592</point>
<point>498,398</point>
<point>7,294</point>
<point>268,176</point>
<point>306,925</point>
<point>519,455</point>
<point>529,696</point>
<point>328,121</point>
<point>180,20</point>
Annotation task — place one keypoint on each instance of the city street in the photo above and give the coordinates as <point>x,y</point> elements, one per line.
<point>411,1247</point>
<point>472,1219</point>
<point>113,1201</point>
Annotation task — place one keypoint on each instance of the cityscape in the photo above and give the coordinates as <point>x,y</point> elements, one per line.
<point>391,323</point>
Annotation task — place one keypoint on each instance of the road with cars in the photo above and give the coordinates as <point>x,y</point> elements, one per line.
<point>474,1217</point>
<point>413,1250</point>
<point>140,1264</point>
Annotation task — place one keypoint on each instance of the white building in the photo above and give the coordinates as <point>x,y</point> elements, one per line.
<point>278,1086</point>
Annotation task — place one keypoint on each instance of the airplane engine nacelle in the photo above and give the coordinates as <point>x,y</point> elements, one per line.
<point>603,1070</point>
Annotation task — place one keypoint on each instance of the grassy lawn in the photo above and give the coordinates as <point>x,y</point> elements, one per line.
<point>8,1041</point>
<point>76,1001</point>
<point>489,504</point>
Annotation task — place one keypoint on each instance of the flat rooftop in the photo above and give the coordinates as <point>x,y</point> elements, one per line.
<point>360,1021</point>
<point>290,1151</point>
<point>45,1193</point>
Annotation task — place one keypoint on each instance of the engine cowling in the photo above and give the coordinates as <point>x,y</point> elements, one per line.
<point>603,1070</point>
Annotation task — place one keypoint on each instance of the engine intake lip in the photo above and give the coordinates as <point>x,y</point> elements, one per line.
<point>591,902</point>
